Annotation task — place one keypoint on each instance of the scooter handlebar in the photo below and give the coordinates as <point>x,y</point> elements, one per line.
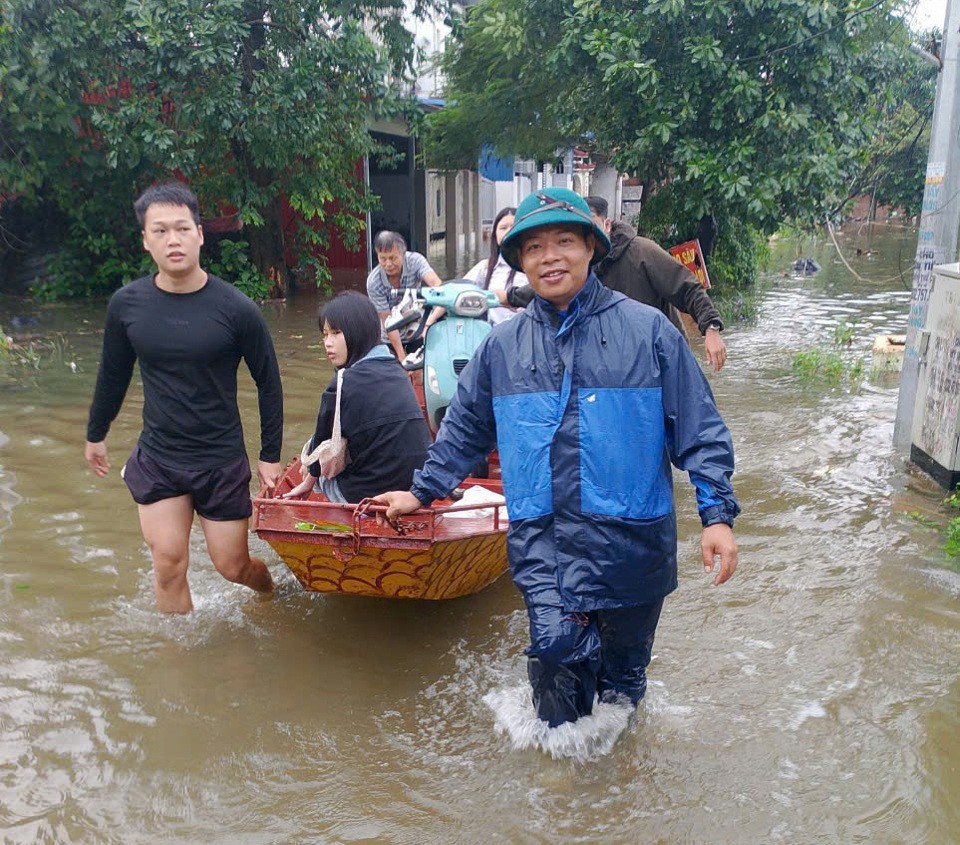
<point>403,320</point>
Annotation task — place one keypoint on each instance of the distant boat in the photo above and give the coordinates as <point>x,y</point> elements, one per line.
<point>807,266</point>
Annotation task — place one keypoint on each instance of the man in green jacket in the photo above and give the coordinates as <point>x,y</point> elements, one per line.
<point>642,270</point>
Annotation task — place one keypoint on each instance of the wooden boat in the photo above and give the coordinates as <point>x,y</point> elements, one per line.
<point>442,552</point>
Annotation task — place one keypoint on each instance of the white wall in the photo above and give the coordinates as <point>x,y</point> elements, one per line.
<point>605,182</point>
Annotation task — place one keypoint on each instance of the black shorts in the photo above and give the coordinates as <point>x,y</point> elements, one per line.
<point>221,494</point>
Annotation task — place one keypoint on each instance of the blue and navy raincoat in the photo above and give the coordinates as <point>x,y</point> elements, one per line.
<point>588,409</point>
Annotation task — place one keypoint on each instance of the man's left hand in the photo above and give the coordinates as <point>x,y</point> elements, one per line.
<point>269,476</point>
<point>435,314</point>
<point>716,349</point>
<point>718,540</point>
<point>398,502</point>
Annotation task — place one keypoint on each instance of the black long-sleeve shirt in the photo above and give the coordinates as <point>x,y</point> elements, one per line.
<point>189,347</point>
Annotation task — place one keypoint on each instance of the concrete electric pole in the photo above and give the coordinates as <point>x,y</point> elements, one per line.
<point>939,217</point>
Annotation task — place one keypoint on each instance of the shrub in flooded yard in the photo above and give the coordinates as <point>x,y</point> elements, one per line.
<point>829,365</point>
<point>952,544</point>
<point>737,306</point>
<point>234,264</point>
<point>826,366</point>
<point>85,258</point>
<point>17,357</point>
<point>843,333</point>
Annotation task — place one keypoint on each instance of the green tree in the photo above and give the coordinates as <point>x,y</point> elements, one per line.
<point>750,109</point>
<point>250,100</point>
<point>893,164</point>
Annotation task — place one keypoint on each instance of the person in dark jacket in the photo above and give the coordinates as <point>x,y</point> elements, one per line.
<point>644,271</point>
<point>387,436</point>
<point>589,397</point>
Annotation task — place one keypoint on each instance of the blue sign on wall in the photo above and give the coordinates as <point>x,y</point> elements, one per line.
<point>493,168</point>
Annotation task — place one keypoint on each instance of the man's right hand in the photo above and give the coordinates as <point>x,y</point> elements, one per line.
<point>96,455</point>
<point>716,349</point>
<point>398,502</point>
<point>717,540</point>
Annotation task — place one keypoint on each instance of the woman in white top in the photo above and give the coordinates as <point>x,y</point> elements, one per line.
<point>494,273</point>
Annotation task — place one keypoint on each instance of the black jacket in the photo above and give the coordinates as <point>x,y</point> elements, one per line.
<point>642,270</point>
<point>387,436</point>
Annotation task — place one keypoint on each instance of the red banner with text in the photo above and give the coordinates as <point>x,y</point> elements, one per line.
<point>689,255</point>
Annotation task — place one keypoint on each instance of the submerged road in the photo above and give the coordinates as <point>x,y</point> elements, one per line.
<point>815,698</point>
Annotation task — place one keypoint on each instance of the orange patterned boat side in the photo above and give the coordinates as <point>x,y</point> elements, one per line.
<point>341,549</point>
<point>445,570</point>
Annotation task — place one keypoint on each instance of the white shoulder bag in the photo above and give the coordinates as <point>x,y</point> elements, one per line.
<point>332,453</point>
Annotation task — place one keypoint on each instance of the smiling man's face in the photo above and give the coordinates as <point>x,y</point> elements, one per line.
<point>556,260</point>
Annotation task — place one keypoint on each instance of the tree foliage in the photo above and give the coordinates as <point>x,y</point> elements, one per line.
<point>893,164</point>
<point>756,109</point>
<point>250,100</point>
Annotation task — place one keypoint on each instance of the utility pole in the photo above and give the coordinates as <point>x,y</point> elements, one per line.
<point>939,217</point>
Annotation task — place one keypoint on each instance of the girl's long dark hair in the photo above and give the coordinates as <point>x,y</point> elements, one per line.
<point>495,249</point>
<point>353,314</point>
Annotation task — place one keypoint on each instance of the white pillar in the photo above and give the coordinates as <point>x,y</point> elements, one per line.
<point>939,218</point>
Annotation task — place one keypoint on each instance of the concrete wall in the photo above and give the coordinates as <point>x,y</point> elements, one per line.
<point>435,205</point>
<point>605,182</point>
<point>394,193</point>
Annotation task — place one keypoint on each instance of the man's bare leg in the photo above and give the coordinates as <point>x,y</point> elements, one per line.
<point>166,528</point>
<point>227,544</point>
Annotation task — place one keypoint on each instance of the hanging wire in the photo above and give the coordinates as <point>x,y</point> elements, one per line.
<point>898,278</point>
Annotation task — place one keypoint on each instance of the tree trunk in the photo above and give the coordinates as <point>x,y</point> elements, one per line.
<point>266,241</point>
<point>267,248</point>
<point>707,234</point>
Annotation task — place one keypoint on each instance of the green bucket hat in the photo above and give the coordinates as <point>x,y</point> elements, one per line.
<point>551,207</point>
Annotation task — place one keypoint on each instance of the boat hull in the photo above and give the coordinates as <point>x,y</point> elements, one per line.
<point>443,570</point>
<point>444,552</point>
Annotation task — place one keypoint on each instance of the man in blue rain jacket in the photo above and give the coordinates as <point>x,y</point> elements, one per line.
<point>588,396</point>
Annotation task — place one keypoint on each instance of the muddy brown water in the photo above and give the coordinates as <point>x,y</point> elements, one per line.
<point>815,698</point>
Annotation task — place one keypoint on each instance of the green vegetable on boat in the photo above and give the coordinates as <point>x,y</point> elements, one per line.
<point>322,526</point>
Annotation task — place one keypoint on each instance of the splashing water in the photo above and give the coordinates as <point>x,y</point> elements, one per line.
<point>584,740</point>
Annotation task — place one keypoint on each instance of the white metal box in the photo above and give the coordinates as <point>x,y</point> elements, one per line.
<point>935,435</point>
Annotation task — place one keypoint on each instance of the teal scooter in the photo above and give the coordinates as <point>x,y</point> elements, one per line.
<point>450,343</point>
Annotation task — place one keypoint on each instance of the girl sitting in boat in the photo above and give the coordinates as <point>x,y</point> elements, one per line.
<point>387,436</point>
<point>494,273</point>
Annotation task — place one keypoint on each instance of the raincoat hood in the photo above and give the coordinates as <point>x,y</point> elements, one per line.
<point>592,298</point>
<point>621,236</point>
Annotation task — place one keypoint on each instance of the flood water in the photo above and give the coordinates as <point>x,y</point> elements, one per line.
<point>814,698</point>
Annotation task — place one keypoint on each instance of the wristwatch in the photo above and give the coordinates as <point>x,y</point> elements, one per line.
<point>715,324</point>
